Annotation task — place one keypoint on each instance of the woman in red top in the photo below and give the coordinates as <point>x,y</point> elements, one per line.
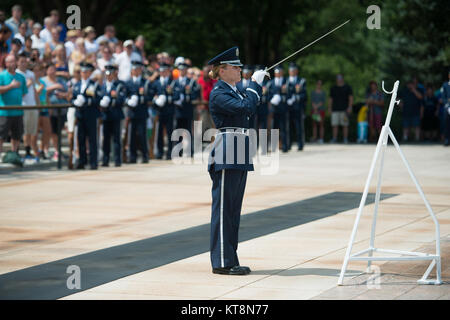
<point>206,85</point>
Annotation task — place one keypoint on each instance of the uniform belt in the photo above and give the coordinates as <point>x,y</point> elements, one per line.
<point>233,130</point>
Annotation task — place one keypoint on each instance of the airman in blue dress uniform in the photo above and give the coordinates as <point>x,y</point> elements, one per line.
<point>86,97</point>
<point>229,160</point>
<point>278,100</point>
<point>167,92</point>
<point>184,108</point>
<point>296,103</point>
<point>114,95</point>
<point>138,92</point>
<point>242,85</point>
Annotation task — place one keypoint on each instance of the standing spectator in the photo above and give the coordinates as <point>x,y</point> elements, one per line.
<point>4,49</point>
<point>7,35</point>
<point>89,42</point>
<point>411,103</point>
<point>140,48</point>
<point>340,107</point>
<point>78,54</point>
<point>45,33</point>
<point>30,117</point>
<point>375,103</point>
<point>12,88</point>
<point>109,35</point>
<point>57,93</point>
<point>21,35</point>
<point>430,121</point>
<point>318,100</point>
<point>38,43</point>
<point>16,48</point>
<point>44,117</point>
<point>445,91</point>
<point>71,117</point>
<point>62,30</point>
<point>206,86</point>
<point>16,18</point>
<point>124,59</point>
<point>70,43</point>
<point>53,43</point>
<point>107,58</point>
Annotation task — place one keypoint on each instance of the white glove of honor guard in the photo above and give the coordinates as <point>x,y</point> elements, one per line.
<point>291,101</point>
<point>105,101</point>
<point>259,75</point>
<point>179,102</point>
<point>276,99</point>
<point>133,101</point>
<point>79,101</point>
<point>161,100</point>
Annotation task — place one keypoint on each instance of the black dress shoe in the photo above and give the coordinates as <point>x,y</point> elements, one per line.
<point>94,168</point>
<point>105,164</point>
<point>117,164</point>
<point>80,166</point>
<point>234,271</point>
<point>145,161</point>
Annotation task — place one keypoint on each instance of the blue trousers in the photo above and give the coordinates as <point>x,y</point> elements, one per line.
<point>280,122</point>
<point>227,195</point>
<point>111,129</point>
<point>87,128</point>
<point>165,121</point>
<point>138,135</point>
<point>296,123</point>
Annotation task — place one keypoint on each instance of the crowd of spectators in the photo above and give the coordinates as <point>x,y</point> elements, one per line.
<point>40,63</point>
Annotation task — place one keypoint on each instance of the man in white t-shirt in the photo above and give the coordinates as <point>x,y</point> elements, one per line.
<point>30,117</point>
<point>123,60</point>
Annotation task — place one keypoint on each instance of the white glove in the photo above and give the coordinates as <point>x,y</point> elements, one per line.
<point>448,110</point>
<point>291,101</point>
<point>179,101</point>
<point>276,99</point>
<point>133,101</point>
<point>161,100</point>
<point>105,101</point>
<point>259,75</point>
<point>79,101</point>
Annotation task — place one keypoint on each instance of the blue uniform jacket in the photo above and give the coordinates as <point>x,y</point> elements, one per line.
<point>172,92</point>
<point>143,90</point>
<point>118,94</point>
<point>229,110</point>
<point>189,91</point>
<point>274,89</point>
<point>92,94</point>
<point>299,94</point>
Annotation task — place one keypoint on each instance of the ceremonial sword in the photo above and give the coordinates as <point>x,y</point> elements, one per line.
<point>267,69</point>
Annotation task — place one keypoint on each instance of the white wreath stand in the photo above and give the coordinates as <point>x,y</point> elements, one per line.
<point>401,255</point>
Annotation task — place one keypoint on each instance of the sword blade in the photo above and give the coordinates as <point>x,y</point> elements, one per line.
<point>267,69</point>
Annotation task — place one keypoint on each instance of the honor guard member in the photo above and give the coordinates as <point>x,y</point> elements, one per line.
<point>86,97</point>
<point>242,85</point>
<point>184,107</point>
<point>167,92</point>
<point>263,109</point>
<point>114,95</point>
<point>138,95</point>
<point>229,109</point>
<point>278,101</point>
<point>296,103</point>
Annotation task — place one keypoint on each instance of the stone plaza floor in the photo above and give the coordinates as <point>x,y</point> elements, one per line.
<point>141,231</point>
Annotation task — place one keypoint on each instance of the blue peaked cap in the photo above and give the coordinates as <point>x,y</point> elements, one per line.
<point>230,56</point>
